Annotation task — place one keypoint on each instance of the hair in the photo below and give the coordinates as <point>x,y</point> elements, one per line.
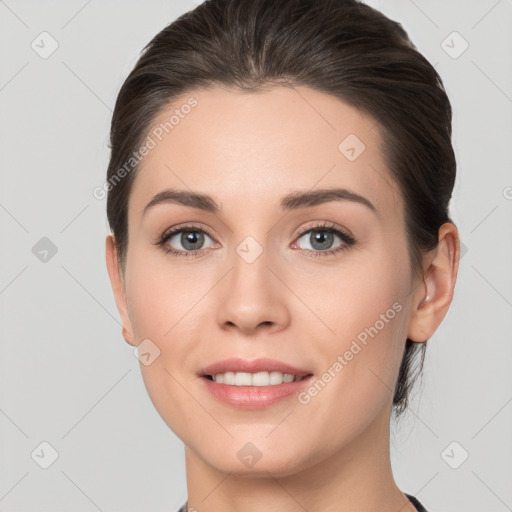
<point>340,47</point>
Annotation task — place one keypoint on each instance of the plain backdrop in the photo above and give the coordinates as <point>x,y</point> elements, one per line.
<point>67,377</point>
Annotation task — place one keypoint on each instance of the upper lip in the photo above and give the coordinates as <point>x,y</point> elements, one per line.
<point>256,365</point>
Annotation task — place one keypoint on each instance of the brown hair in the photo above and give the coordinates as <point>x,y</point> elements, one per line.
<point>341,47</point>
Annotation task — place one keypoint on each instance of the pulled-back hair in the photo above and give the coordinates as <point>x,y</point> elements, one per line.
<point>340,47</point>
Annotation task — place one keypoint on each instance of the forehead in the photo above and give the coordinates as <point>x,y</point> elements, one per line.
<point>250,148</point>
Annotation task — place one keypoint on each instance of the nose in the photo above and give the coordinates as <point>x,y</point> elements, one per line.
<point>253,298</point>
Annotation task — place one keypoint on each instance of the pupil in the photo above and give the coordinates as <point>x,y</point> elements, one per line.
<point>191,239</point>
<point>321,237</point>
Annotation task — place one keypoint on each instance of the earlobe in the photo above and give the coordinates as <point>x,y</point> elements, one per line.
<point>118,288</point>
<point>432,301</point>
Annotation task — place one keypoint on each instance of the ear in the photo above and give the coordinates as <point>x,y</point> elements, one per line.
<point>117,283</point>
<point>431,301</point>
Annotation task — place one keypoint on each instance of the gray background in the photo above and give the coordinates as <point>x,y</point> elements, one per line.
<point>67,377</point>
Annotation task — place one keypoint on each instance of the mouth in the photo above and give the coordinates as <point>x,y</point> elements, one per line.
<point>258,379</point>
<point>259,372</point>
<point>254,390</point>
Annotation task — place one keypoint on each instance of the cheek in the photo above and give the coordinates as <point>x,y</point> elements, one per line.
<point>367,310</point>
<point>166,306</point>
<point>160,296</point>
<point>162,310</point>
<point>363,300</point>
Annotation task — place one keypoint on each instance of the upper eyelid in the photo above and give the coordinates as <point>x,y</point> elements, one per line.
<point>185,227</point>
<point>326,226</point>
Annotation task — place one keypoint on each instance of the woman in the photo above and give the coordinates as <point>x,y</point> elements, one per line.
<point>281,246</point>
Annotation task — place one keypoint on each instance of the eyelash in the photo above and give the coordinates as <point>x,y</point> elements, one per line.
<point>347,239</point>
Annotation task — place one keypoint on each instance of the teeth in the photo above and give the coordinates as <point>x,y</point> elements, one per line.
<point>254,379</point>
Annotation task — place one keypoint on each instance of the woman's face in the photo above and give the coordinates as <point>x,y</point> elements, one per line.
<point>263,277</point>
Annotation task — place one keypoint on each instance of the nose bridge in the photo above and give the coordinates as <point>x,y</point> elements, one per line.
<point>250,267</point>
<point>251,294</point>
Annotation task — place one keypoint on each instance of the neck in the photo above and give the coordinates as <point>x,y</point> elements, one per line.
<point>356,477</point>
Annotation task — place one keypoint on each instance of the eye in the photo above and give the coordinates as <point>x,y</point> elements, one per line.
<point>321,238</point>
<point>190,240</point>
<point>185,241</point>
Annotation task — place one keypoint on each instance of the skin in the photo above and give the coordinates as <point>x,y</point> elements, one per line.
<point>247,150</point>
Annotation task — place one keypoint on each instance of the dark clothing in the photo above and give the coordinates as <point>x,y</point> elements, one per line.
<point>416,503</point>
<point>412,499</point>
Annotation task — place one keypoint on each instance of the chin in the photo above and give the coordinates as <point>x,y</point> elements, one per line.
<point>249,461</point>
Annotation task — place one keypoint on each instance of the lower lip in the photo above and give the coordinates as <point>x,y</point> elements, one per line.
<point>254,397</point>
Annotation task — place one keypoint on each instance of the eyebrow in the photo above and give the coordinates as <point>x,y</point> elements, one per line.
<point>292,201</point>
